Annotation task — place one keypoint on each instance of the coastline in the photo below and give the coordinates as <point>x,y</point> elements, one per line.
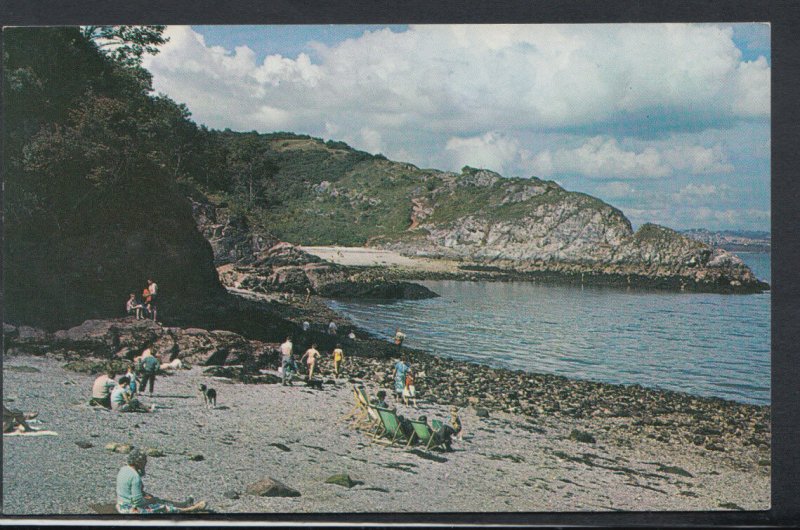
<point>505,462</point>
<point>521,451</point>
<point>375,264</point>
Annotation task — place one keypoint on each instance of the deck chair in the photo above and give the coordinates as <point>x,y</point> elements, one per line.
<point>390,426</point>
<point>437,425</point>
<point>359,411</point>
<point>424,434</point>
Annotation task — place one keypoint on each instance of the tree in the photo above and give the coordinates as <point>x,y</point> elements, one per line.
<point>250,166</point>
<point>126,44</point>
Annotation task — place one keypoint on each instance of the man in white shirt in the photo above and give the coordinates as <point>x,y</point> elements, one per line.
<point>332,328</point>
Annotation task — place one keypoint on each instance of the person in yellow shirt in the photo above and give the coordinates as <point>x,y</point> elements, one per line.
<point>338,359</point>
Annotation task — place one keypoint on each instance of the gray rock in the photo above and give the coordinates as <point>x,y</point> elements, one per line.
<point>196,457</point>
<point>270,487</point>
<point>231,494</point>
<point>481,412</point>
<point>84,444</point>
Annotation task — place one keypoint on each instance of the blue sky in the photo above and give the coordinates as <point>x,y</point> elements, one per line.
<point>670,123</point>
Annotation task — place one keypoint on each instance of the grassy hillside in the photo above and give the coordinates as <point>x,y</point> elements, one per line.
<point>323,193</point>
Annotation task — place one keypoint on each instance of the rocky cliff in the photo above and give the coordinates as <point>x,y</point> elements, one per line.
<point>333,195</point>
<point>252,259</point>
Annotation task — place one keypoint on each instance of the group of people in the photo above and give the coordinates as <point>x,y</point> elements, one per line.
<point>443,436</point>
<point>148,306</point>
<point>121,394</point>
<point>311,356</point>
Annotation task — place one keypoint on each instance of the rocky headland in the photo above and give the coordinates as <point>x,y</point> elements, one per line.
<point>520,228</point>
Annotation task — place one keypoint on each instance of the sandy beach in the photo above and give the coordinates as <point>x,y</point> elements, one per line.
<point>375,257</point>
<point>505,462</point>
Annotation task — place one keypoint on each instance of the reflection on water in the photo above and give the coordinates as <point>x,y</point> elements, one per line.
<point>703,344</point>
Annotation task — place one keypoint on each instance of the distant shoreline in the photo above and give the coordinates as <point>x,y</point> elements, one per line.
<point>391,265</point>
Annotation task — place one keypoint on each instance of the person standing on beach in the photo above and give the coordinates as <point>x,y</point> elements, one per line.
<point>311,355</point>
<point>287,362</point>
<point>338,359</point>
<point>401,369</point>
<point>332,328</point>
<point>308,296</point>
<point>149,368</point>
<point>131,498</point>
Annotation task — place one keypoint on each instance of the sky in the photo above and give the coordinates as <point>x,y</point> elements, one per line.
<point>670,123</point>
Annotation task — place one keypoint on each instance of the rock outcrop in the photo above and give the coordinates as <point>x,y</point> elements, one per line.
<point>126,338</point>
<point>258,262</point>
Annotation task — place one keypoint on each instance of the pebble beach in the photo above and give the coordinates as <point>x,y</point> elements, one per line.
<point>505,461</point>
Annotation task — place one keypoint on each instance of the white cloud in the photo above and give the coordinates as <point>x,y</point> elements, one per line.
<point>458,81</point>
<point>603,157</point>
<point>491,150</point>
<point>615,190</point>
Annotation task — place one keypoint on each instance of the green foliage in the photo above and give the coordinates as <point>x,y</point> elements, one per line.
<point>126,44</point>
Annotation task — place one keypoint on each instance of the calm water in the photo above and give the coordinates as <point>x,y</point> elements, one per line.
<point>703,344</point>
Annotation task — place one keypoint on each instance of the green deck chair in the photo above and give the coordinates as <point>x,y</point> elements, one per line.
<point>390,425</point>
<point>424,434</point>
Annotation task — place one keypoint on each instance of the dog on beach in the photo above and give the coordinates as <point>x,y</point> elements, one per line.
<point>209,395</point>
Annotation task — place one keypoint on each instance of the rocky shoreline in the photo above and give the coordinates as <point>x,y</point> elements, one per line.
<point>729,430</point>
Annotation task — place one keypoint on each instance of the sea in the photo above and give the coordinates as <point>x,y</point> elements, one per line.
<point>702,344</point>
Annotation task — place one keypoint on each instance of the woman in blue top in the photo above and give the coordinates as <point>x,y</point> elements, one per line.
<point>131,497</point>
<point>400,371</point>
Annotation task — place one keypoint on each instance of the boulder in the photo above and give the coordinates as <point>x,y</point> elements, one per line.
<point>341,479</point>
<point>269,487</point>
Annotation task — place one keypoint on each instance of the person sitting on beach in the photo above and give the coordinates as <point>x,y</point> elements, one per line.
<point>401,369</point>
<point>311,355</point>
<point>332,328</point>
<point>14,420</point>
<point>445,434</point>
<point>101,389</point>
<point>123,401</point>
<point>338,359</point>
<point>131,498</point>
<point>408,389</point>
<point>134,307</point>
<point>287,361</point>
<point>380,399</point>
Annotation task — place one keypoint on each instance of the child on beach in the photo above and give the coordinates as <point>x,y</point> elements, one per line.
<point>399,337</point>
<point>338,358</point>
<point>123,401</point>
<point>408,390</point>
<point>131,498</point>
